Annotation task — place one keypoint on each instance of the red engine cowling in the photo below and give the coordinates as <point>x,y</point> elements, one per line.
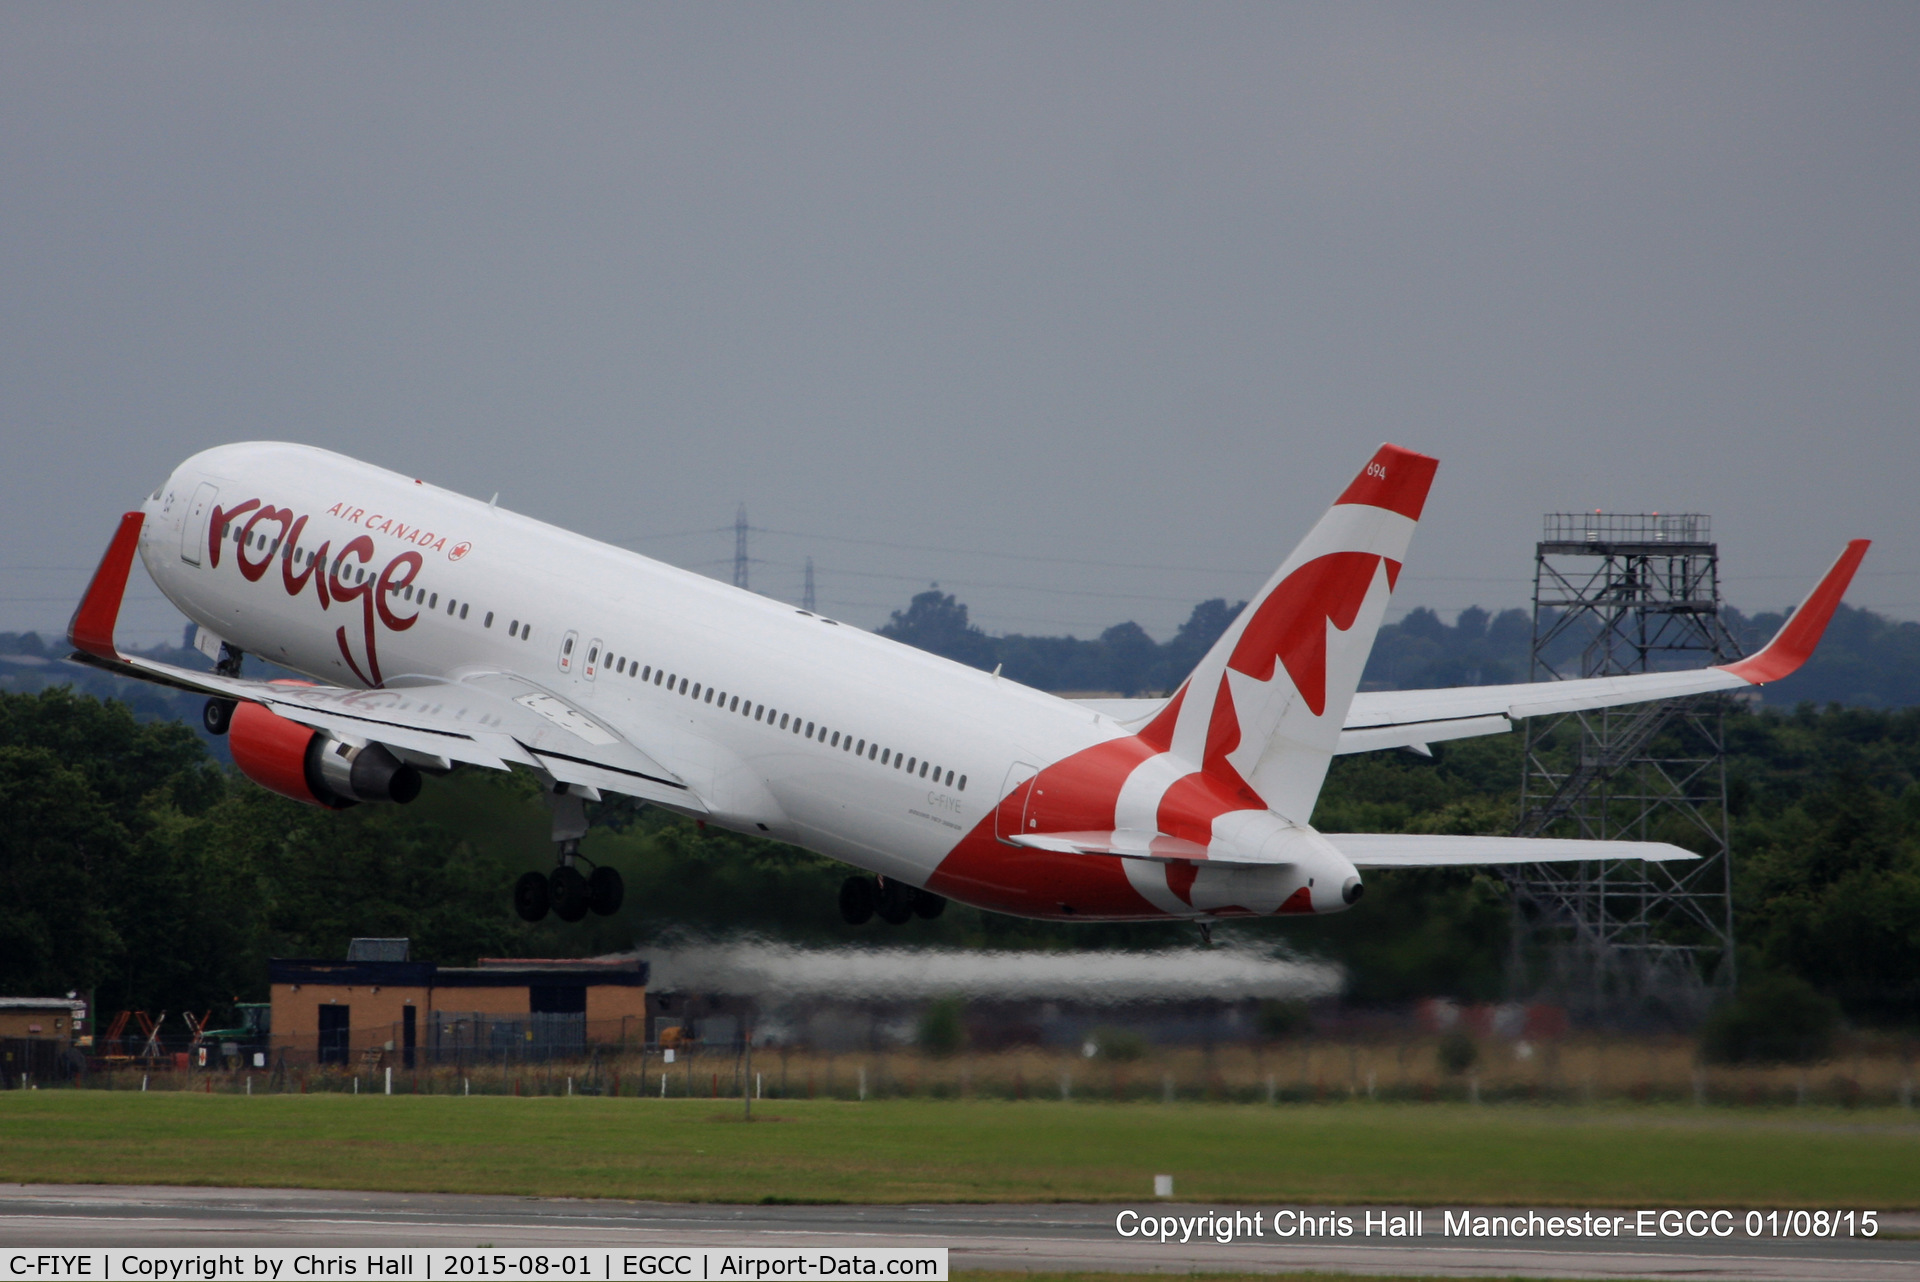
<point>303,763</point>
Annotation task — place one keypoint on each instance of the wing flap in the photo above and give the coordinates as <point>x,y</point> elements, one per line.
<point>495,720</point>
<point>1418,734</point>
<point>1380,850</point>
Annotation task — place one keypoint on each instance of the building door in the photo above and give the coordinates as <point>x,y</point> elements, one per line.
<point>334,1023</point>
<point>407,1035</point>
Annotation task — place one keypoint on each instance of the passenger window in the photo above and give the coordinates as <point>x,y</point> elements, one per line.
<point>949,778</point>
<point>846,745</point>
<point>463,611</point>
<point>513,629</point>
<point>646,673</point>
<point>567,648</point>
<point>710,695</point>
<point>683,685</point>
<point>886,757</point>
<point>836,740</point>
<point>963,783</point>
<point>434,604</point>
<point>488,621</point>
<point>696,689</point>
<point>809,729</point>
<point>923,770</point>
<point>910,764</point>
<point>756,714</point>
<point>873,753</point>
<point>736,704</point>
<point>862,748</point>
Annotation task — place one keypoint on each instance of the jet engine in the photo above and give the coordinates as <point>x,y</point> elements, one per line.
<point>309,765</point>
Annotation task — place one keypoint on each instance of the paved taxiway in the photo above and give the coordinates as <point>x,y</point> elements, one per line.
<point>980,1237</point>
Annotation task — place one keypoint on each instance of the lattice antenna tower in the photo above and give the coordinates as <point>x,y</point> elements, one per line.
<point>740,547</point>
<point>1623,942</point>
<point>806,590</point>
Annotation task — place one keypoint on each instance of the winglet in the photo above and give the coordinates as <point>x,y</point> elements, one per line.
<point>91,628</point>
<point>1793,644</point>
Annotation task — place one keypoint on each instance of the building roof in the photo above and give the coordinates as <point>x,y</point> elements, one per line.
<point>778,971</point>
<point>74,1004</point>
<point>312,970</point>
<point>625,972</point>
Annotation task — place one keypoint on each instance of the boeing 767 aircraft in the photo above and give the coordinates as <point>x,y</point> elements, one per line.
<point>442,631</point>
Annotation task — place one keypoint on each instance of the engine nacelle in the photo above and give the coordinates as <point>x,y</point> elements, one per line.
<point>308,765</point>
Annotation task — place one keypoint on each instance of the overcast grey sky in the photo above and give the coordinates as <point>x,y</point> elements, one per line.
<point>1086,311</point>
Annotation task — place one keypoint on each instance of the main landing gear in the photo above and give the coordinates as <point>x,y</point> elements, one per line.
<point>217,715</point>
<point>894,902</point>
<point>564,892</point>
<point>567,894</point>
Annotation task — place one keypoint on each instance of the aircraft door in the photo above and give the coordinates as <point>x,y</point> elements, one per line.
<point>193,527</point>
<point>568,644</point>
<point>1010,817</point>
<point>590,666</point>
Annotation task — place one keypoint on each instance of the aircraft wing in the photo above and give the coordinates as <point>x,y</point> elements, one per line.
<point>1415,718</point>
<point>492,719</point>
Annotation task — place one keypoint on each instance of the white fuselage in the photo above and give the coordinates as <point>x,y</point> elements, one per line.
<point>786,724</point>
<point>633,615</point>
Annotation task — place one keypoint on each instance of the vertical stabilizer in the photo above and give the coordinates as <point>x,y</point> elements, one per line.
<point>1266,706</point>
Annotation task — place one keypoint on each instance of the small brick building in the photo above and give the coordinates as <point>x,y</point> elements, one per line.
<point>388,1008</point>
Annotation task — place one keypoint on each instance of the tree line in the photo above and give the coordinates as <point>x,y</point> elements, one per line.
<point>136,867</point>
<point>1865,660</point>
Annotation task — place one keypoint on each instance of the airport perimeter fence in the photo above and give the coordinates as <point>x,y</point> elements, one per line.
<point>1573,1072</point>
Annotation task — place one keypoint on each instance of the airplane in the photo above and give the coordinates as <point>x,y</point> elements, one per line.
<point>440,631</point>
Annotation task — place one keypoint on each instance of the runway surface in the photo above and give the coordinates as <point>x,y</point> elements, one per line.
<point>1022,1237</point>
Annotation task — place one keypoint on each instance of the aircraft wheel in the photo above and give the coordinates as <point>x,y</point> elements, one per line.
<point>530,897</point>
<point>569,891</point>
<point>857,896</point>
<point>927,905</point>
<point>605,891</point>
<point>217,715</point>
<point>896,902</point>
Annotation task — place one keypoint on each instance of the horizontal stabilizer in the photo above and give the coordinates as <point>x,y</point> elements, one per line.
<point>1424,850</point>
<point>1130,843</point>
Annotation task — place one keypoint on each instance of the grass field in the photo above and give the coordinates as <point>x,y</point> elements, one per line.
<point>906,1151</point>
